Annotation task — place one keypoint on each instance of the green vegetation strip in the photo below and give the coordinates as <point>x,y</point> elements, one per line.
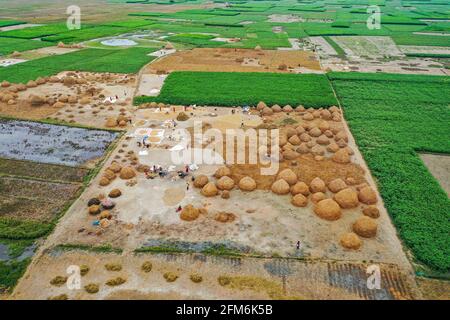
<point>97,249</point>
<point>94,60</point>
<point>238,89</point>
<point>393,117</point>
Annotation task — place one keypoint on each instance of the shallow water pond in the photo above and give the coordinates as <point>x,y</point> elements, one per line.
<point>47,143</point>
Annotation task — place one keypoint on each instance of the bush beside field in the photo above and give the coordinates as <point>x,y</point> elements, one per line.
<point>241,88</point>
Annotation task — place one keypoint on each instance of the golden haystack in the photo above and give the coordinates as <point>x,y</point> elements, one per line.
<point>109,174</point>
<point>5,84</point>
<point>276,108</point>
<point>305,137</point>
<point>288,175</point>
<point>367,195</point>
<point>315,132</point>
<point>222,172</point>
<point>323,140</point>
<point>341,156</point>
<point>300,188</point>
<point>294,140</point>
<point>280,187</point>
<point>365,227</point>
<point>288,108</point>
<point>115,167</point>
<point>318,150</point>
<point>225,183</point>
<point>325,114</point>
<point>127,173</point>
<point>347,198</point>
<point>328,209</point>
<point>308,117</point>
<point>225,194</point>
<point>299,200</point>
<point>267,112</point>
<point>94,209</point>
<point>200,181</point>
<point>111,123</point>
<point>303,148</point>
<point>182,117</point>
<point>105,214</point>
<point>334,109</point>
<point>261,105</point>
<point>290,155</point>
<point>337,185</point>
<point>36,101</point>
<point>72,99</point>
<point>189,213</point>
<point>115,193</point>
<point>290,132</point>
<point>371,211</point>
<point>350,241</point>
<point>210,190</point>
<point>317,185</point>
<point>85,100</point>
<point>104,182</point>
<point>333,147</point>
<point>247,184</point>
<point>324,126</point>
<point>342,135</point>
<point>224,217</point>
<point>31,84</point>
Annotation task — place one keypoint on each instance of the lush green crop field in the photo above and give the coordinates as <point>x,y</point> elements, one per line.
<point>95,60</point>
<point>393,117</point>
<point>233,89</point>
<point>7,23</point>
<point>36,32</point>
<point>9,45</point>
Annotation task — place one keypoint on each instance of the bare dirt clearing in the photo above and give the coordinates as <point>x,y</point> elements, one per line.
<point>235,60</point>
<point>439,166</point>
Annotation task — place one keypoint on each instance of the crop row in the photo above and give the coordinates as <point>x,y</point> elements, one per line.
<point>237,89</point>
<point>392,121</point>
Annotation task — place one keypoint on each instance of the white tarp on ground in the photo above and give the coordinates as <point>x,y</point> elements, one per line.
<point>10,62</point>
<point>162,53</point>
<point>149,132</point>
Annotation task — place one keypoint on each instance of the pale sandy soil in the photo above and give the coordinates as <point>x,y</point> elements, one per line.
<point>151,84</point>
<point>45,52</point>
<point>439,166</point>
<point>19,27</point>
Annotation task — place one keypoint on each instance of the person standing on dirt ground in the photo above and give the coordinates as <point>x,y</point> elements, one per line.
<point>298,245</point>
<point>187,186</point>
<point>186,168</point>
<point>178,209</point>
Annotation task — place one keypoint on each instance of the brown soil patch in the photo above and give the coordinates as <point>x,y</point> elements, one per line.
<point>234,60</point>
<point>173,196</point>
<point>306,169</point>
